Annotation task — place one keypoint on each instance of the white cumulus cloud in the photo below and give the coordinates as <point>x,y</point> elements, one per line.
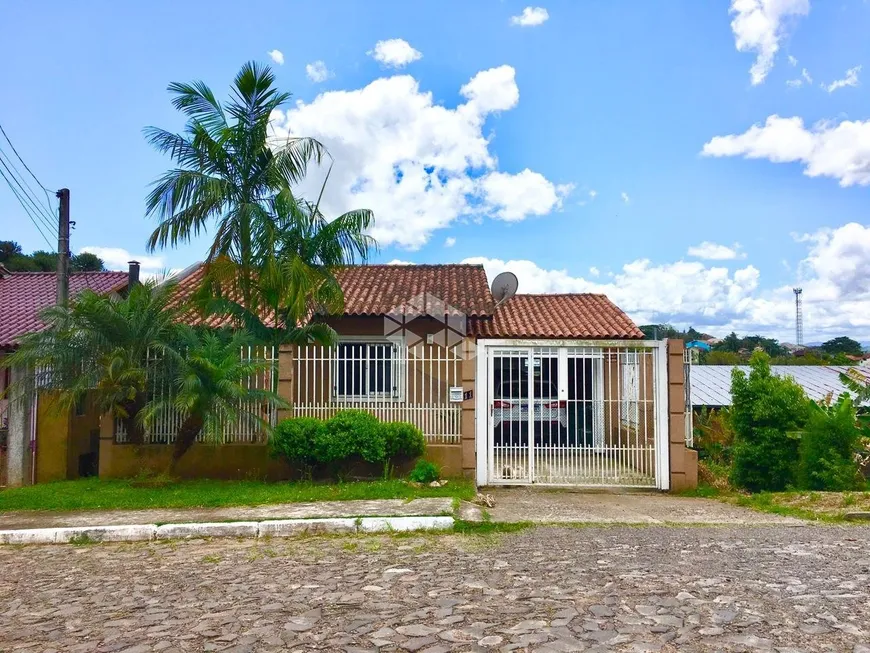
<point>834,275</point>
<point>851,79</point>
<point>715,252</point>
<point>759,26</point>
<point>396,53</point>
<point>116,258</point>
<point>418,165</point>
<point>277,56</point>
<point>317,71</point>
<point>828,149</point>
<point>531,17</point>
<point>450,241</point>
<point>515,197</point>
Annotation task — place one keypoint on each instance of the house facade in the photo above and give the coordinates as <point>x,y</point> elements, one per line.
<point>39,443</point>
<point>539,389</point>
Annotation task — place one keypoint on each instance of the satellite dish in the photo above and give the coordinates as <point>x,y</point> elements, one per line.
<point>504,286</point>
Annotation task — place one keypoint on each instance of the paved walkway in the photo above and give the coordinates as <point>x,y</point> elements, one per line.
<point>379,508</point>
<point>511,505</point>
<point>544,505</point>
<point>670,589</point>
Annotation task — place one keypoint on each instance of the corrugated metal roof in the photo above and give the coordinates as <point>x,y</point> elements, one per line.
<point>711,384</point>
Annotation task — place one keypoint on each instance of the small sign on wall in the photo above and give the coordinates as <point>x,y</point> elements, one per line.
<point>456,394</point>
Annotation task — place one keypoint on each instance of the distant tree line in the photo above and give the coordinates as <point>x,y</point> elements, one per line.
<point>15,260</point>
<point>736,350</point>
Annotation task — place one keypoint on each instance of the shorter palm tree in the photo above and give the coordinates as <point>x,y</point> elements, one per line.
<point>211,389</point>
<point>105,348</point>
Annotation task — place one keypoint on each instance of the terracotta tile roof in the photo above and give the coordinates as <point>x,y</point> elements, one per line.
<point>557,316</point>
<point>23,295</point>
<point>380,289</point>
<point>188,282</point>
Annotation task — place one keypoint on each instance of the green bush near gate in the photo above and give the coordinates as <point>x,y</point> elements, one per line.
<point>767,414</point>
<point>350,436</point>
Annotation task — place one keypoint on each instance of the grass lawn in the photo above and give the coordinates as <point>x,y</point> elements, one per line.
<point>817,506</point>
<point>127,494</point>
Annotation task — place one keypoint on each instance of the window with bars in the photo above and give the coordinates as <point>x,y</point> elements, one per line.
<point>367,370</point>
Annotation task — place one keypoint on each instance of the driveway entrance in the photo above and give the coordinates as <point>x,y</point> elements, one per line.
<point>573,413</point>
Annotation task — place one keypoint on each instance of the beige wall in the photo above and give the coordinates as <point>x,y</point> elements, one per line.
<point>684,461</point>
<point>52,440</point>
<point>235,461</point>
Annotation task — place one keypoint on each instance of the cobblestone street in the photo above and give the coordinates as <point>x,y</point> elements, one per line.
<point>544,589</point>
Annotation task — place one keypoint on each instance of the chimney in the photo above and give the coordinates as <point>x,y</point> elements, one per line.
<point>133,274</point>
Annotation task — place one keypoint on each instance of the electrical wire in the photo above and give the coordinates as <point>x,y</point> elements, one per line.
<point>31,194</point>
<point>49,208</point>
<point>26,209</point>
<point>41,212</point>
<point>26,167</point>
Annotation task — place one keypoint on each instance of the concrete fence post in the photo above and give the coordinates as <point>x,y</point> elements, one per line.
<point>683,461</point>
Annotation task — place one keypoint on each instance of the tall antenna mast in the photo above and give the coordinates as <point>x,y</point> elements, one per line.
<point>799,316</point>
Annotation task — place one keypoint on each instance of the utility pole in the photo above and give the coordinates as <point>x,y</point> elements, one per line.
<point>799,316</point>
<point>63,247</point>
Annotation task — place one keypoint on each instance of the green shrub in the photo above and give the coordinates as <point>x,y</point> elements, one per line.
<point>767,412</point>
<point>714,436</point>
<point>425,472</point>
<point>401,440</point>
<point>297,440</point>
<point>355,433</point>
<point>828,448</point>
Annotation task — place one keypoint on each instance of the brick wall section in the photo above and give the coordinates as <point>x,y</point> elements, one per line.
<point>469,367</point>
<point>684,461</point>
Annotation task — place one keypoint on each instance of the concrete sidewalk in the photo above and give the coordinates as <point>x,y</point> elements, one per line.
<point>518,504</point>
<point>550,505</point>
<point>314,510</point>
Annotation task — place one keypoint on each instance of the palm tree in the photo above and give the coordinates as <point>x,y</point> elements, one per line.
<point>295,265</point>
<point>229,168</point>
<point>211,388</point>
<point>111,348</point>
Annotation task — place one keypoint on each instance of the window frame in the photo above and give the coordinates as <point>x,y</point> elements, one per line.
<point>398,369</point>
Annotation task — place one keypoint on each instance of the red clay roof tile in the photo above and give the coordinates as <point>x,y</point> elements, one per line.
<point>23,295</point>
<point>381,289</point>
<point>384,289</point>
<point>557,316</point>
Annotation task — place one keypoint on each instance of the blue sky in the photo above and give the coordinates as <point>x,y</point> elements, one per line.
<point>649,102</point>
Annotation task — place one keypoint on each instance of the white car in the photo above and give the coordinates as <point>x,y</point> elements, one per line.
<point>510,413</point>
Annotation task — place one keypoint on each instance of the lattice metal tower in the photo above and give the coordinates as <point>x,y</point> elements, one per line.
<point>799,316</point>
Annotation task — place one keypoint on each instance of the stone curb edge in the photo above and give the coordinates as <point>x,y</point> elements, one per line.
<point>268,528</point>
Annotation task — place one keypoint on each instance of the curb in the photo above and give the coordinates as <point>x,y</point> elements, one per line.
<point>250,529</point>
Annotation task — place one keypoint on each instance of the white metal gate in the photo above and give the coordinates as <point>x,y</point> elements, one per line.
<point>578,414</point>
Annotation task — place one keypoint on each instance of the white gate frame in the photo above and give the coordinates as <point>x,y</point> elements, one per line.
<point>481,403</point>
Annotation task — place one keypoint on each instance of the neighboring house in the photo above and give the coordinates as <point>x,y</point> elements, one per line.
<point>545,389</point>
<point>40,444</point>
<point>710,385</point>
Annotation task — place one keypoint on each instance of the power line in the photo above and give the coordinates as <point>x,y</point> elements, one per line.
<point>35,222</point>
<point>51,209</point>
<point>41,185</point>
<point>19,179</point>
<point>41,212</point>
